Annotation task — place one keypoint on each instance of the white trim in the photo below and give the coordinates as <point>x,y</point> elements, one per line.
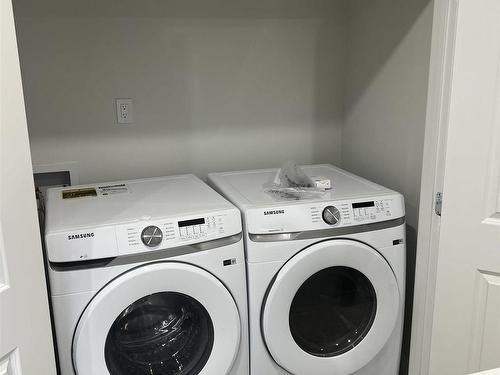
<point>70,166</point>
<point>343,253</point>
<point>4,274</point>
<point>441,69</point>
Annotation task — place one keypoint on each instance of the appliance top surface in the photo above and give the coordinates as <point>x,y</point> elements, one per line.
<point>245,188</point>
<point>129,201</point>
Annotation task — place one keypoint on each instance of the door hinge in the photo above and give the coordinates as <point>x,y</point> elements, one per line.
<point>439,203</point>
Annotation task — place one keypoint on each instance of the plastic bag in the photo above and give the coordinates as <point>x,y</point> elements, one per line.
<point>291,183</point>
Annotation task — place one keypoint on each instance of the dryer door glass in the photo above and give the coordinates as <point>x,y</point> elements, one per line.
<point>164,333</point>
<point>332,311</point>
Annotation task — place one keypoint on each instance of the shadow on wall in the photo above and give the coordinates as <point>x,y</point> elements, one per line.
<point>377,29</point>
<point>388,53</point>
<point>329,81</point>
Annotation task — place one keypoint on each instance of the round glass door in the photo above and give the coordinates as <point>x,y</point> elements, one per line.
<point>164,333</point>
<point>163,318</point>
<point>332,311</point>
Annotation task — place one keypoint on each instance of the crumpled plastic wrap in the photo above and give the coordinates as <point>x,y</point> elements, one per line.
<point>166,333</point>
<point>292,183</point>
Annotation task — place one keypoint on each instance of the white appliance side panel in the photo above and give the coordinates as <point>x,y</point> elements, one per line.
<point>67,310</point>
<point>382,240</point>
<point>259,278</point>
<point>83,280</point>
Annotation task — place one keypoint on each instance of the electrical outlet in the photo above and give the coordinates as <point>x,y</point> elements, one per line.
<point>124,111</point>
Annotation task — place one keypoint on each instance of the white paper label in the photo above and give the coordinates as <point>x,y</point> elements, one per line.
<point>112,189</point>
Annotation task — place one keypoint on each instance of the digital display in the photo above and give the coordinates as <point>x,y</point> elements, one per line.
<point>188,223</point>
<point>363,204</point>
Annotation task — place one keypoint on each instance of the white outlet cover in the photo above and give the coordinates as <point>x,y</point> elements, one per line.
<point>124,111</point>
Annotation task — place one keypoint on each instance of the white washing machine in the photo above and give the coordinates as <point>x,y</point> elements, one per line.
<point>325,277</point>
<point>147,277</point>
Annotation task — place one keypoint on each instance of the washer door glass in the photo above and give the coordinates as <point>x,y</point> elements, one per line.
<point>164,333</point>
<point>332,311</point>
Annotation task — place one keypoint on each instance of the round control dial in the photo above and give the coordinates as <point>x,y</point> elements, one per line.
<point>331,215</point>
<point>151,236</point>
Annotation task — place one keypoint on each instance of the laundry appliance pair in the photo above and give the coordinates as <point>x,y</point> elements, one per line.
<point>149,277</point>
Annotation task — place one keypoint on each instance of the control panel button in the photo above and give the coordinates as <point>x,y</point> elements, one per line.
<point>151,236</point>
<point>331,215</point>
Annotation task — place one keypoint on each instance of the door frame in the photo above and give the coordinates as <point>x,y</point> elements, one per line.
<point>434,158</point>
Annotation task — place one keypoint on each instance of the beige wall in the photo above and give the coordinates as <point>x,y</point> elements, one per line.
<point>241,85</point>
<point>219,85</point>
<point>388,53</point>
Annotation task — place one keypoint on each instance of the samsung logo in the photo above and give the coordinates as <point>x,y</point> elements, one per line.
<point>80,236</point>
<point>274,212</point>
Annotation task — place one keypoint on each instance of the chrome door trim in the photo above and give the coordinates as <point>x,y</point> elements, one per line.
<point>324,233</point>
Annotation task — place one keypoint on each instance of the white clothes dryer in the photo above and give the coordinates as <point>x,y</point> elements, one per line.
<point>147,277</point>
<point>326,277</point>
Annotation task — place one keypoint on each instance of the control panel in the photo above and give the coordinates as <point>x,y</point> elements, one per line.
<point>196,229</point>
<point>369,211</point>
<point>168,233</point>
<point>142,235</point>
<point>151,235</point>
<point>322,215</point>
<point>357,212</point>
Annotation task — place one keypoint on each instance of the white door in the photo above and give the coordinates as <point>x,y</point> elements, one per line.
<point>342,278</point>
<point>164,317</point>
<point>25,335</point>
<point>466,323</point>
